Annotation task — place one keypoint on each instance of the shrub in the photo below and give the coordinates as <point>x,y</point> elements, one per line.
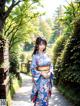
<point>57,50</point>
<point>14,63</point>
<point>70,62</point>
<point>58,47</point>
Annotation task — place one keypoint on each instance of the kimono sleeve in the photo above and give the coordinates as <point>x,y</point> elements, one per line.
<point>51,74</point>
<point>51,70</point>
<point>35,73</point>
<point>33,63</point>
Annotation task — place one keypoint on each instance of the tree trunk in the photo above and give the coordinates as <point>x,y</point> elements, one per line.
<point>1,28</point>
<point>2,20</point>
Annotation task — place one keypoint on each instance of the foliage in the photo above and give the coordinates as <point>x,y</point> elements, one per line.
<point>63,19</point>
<point>28,46</point>
<point>58,47</point>
<point>57,26</point>
<point>72,10</point>
<point>45,28</point>
<point>71,57</point>
<point>20,26</point>
<point>14,58</point>
<point>67,61</point>
<point>22,23</point>
<point>15,83</point>
<point>67,67</point>
<point>14,63</point>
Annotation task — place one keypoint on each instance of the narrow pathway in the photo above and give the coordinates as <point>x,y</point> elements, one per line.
<point>22,96</point>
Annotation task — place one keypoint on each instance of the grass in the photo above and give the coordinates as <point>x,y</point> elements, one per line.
<point>14,86</point>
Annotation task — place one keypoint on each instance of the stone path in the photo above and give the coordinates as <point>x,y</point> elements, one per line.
<point>22,96</point>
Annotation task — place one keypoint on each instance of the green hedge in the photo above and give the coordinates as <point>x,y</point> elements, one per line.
<point>58,47</point>
<point>67,66</point>
<point>70,57</point>
<point>57,50</point>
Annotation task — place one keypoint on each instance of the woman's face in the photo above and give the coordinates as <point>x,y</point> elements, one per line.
<point>41,46</point>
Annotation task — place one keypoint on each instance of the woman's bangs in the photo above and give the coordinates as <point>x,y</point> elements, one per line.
<point>43,42</point>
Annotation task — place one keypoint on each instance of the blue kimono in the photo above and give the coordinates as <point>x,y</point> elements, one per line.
<point>41,90</point>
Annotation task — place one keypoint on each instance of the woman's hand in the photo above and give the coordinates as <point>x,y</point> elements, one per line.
<point>32,79</point>
<point>45,75</point>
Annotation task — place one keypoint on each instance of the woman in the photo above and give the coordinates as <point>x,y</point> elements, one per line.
<point>42,74</point>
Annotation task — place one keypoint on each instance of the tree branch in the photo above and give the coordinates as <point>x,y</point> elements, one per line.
<point>16,40</point>
<point>10,8</point>
<point>12,37</point>
<point>17,27</point>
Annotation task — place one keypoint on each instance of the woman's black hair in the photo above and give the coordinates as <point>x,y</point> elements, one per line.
<point>39,40</point>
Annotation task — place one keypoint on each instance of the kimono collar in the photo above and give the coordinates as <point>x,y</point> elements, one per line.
<point>40,53</point>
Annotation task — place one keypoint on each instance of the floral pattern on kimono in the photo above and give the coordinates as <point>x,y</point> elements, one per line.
<point>41,90</point>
